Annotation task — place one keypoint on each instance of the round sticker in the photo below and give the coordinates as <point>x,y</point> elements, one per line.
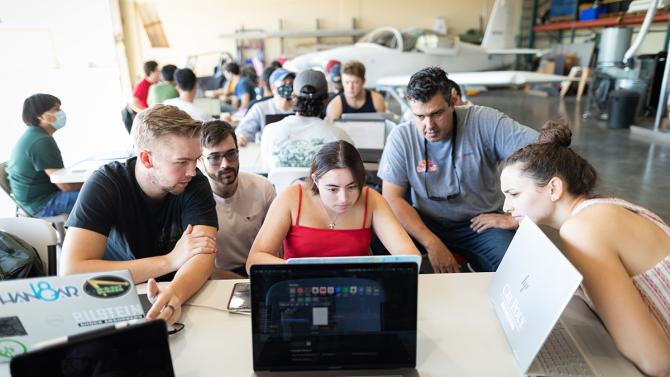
<point>106,286</point>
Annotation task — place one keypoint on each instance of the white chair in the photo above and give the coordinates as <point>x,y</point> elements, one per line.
<point>39,234</point>
<point>57,221</point>
<point>283,177</point>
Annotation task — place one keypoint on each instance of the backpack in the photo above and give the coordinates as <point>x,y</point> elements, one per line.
<point>18,259</point>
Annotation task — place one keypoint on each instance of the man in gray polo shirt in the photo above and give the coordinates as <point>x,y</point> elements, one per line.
<point>447,156</point>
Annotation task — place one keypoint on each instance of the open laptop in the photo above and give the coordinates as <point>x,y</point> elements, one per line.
<point>368,135</point>
<point>34,310</point>
<point>334,319</point>
<point>551,331</point>
<point>127,350</point>
<point>361,259</point>
<point>274,118</point>
<point>209,106</point>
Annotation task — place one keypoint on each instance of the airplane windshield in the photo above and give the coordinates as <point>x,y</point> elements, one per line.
<point>412,39</point>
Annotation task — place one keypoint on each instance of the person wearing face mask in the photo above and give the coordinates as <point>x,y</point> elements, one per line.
<point>253,123</point>
<point>334,214</point>
<point>36,156</point>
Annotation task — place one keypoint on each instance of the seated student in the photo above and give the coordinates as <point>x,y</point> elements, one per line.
<point>621,249</point>
<point>36,156</point>
<point>165,89</point>
<point>334,214</point>
<point>333,72</point>
<point>294,140</point>
<point>151,75</point>
<point>354,98</point>
<point>242,199</point>
<point>186,86</point>
<point>253,122</point>
<point>153,215</point>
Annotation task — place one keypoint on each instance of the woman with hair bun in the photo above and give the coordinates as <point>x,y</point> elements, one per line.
<point>621,249</point>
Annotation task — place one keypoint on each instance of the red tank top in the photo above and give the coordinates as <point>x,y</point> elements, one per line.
<point>303,241</point>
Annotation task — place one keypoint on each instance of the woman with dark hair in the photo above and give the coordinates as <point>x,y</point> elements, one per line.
<point>621,249</point>
<point>333,214</point>
<point>36,156</point>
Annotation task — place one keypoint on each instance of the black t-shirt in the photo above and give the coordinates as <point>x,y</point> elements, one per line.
<point>112,203</point>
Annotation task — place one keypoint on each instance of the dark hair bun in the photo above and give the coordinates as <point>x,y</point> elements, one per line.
<point>555,132</point>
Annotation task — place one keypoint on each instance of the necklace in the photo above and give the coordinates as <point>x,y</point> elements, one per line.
<point>331,224</point>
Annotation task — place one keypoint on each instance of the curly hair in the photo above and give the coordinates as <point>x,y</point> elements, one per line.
<point>426,83</point>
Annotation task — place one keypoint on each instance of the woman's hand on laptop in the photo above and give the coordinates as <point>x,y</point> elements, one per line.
<point>165,304</point>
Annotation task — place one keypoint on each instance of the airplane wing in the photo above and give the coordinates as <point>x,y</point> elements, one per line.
<point>491,78</point>
<point>514,51</point>
<point>261,34</point>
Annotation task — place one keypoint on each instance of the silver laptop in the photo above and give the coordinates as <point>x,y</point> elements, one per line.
<point>360,259</point>
<point>368,136</point>
<point>355,319</point>
<point>34,310</point>
<point>551,331</point>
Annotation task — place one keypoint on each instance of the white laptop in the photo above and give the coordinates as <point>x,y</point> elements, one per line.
<point>551,331</point>
<point>368,136</point>
<point>34,310</point>
<point>362,259</point>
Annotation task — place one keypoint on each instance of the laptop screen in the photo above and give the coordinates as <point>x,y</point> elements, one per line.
<point>335,316</point>
<point>135,350</point>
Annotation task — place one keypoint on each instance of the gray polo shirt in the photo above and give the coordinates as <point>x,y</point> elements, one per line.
<point>484,137</point>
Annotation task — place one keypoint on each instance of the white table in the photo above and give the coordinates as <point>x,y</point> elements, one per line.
<point>458,333</point>
<point>78,172</point>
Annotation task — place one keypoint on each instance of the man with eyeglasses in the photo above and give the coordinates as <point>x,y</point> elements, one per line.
<point>153,214</point>
<point>448,159</point>
<point>242,199</point>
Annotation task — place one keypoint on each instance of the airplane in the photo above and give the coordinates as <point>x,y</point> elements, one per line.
<point>389,52</point>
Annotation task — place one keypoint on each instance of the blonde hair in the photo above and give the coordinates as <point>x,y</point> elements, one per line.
<point>354,68</point>
<point>159,121</point>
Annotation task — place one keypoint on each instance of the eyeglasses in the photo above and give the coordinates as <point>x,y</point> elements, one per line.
<point>453,167</point>
<point>216,158</point>
<point>176,327</point>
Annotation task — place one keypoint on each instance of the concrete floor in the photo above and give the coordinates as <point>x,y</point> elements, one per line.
<point>630,167</point>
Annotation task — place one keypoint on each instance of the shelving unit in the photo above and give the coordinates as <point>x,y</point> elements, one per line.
<point>601,22</point>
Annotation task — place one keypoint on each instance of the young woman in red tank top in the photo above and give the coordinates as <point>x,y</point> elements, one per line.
<point>333,214</point>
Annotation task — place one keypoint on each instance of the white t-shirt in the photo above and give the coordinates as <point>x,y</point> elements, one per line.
<point>189,108</point>
<point>240,219</point>
<point>293,141</point>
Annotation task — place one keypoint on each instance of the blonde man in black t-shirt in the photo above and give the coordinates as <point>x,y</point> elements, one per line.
<point>153,215</point>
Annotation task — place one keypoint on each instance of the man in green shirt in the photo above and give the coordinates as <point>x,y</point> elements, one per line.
<point>165,89</point>
<point>36,156</point>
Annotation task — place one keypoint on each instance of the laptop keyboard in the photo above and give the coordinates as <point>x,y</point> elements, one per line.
<point>560,356</point>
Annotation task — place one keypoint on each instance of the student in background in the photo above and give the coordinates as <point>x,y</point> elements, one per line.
<point>294,140</point>
<point>153,214</point>
<point>333,214</point>
<point>281,82</point>
<point>242,199</point>
<point>354,98</point>
<point>141,93</point>
<point>621,249</point>
<point>36,156</point>
<point>187,84</point>
<point>334,75</point>
<point>165,89</point>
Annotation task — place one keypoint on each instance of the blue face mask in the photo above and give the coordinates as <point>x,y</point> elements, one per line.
<point>60,119</point>
<point>285,91</point>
